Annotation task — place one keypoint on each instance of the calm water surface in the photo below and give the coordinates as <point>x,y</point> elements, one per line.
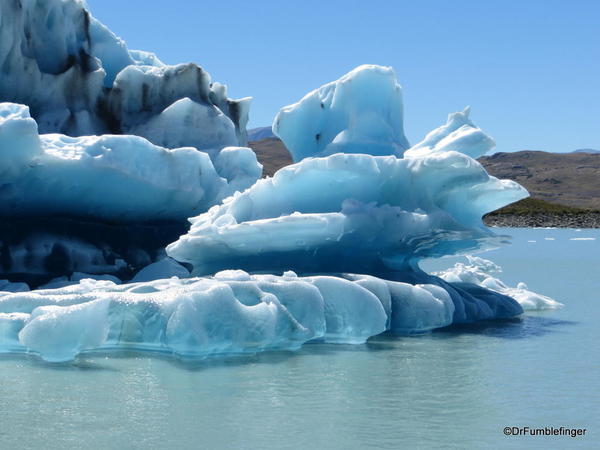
<point>450,389</point>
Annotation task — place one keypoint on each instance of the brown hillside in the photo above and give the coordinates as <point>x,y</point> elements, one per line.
<point>571,179</point>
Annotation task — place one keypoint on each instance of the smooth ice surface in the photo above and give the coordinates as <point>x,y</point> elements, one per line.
<point>79,78</point>
<point>453,388</point>
<point>362,112</point>
<point>192,318</point>
<point>122,178</point>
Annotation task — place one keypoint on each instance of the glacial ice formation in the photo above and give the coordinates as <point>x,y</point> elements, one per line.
<point>349,212</point>
<point>346,225</point>
<point>78,78</point>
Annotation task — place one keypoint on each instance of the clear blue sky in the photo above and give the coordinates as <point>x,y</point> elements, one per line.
<point>530,69</point>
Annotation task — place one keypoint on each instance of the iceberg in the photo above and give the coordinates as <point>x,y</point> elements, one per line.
<point>363,210</point>
<point>346,225</point>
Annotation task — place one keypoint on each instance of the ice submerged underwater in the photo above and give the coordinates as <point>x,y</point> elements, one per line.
<point>327,250</point>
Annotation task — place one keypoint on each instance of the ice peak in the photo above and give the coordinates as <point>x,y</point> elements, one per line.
<point>362,112</point>
<point>459,134</point>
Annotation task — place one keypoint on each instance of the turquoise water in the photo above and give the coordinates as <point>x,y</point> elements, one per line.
<point>451,388</point>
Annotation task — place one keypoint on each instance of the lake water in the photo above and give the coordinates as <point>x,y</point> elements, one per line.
<point>451,389</point>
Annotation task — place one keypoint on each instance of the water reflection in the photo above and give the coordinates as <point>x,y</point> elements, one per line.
<point>518,328</point>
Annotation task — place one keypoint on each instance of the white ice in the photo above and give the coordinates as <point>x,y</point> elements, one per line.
<point>480,271</point>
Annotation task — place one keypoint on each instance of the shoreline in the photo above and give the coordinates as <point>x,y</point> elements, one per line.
<point>541,220</point>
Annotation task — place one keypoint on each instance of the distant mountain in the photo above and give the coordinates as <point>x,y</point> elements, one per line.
<point>586,150</point>
<point>571,179</point>
<point>271,153</point>
<point>256,134</point>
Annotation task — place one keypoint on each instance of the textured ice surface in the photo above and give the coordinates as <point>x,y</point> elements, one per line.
<point>80,79</point>
<point>122,178</point>
<point>479,271</point>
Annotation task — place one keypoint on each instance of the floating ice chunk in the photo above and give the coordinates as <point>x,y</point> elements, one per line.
<point>362,112</point>
<point>531,301</point>
<point>583,239</point>
<point>352,211</point>
<point>478,272</point>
